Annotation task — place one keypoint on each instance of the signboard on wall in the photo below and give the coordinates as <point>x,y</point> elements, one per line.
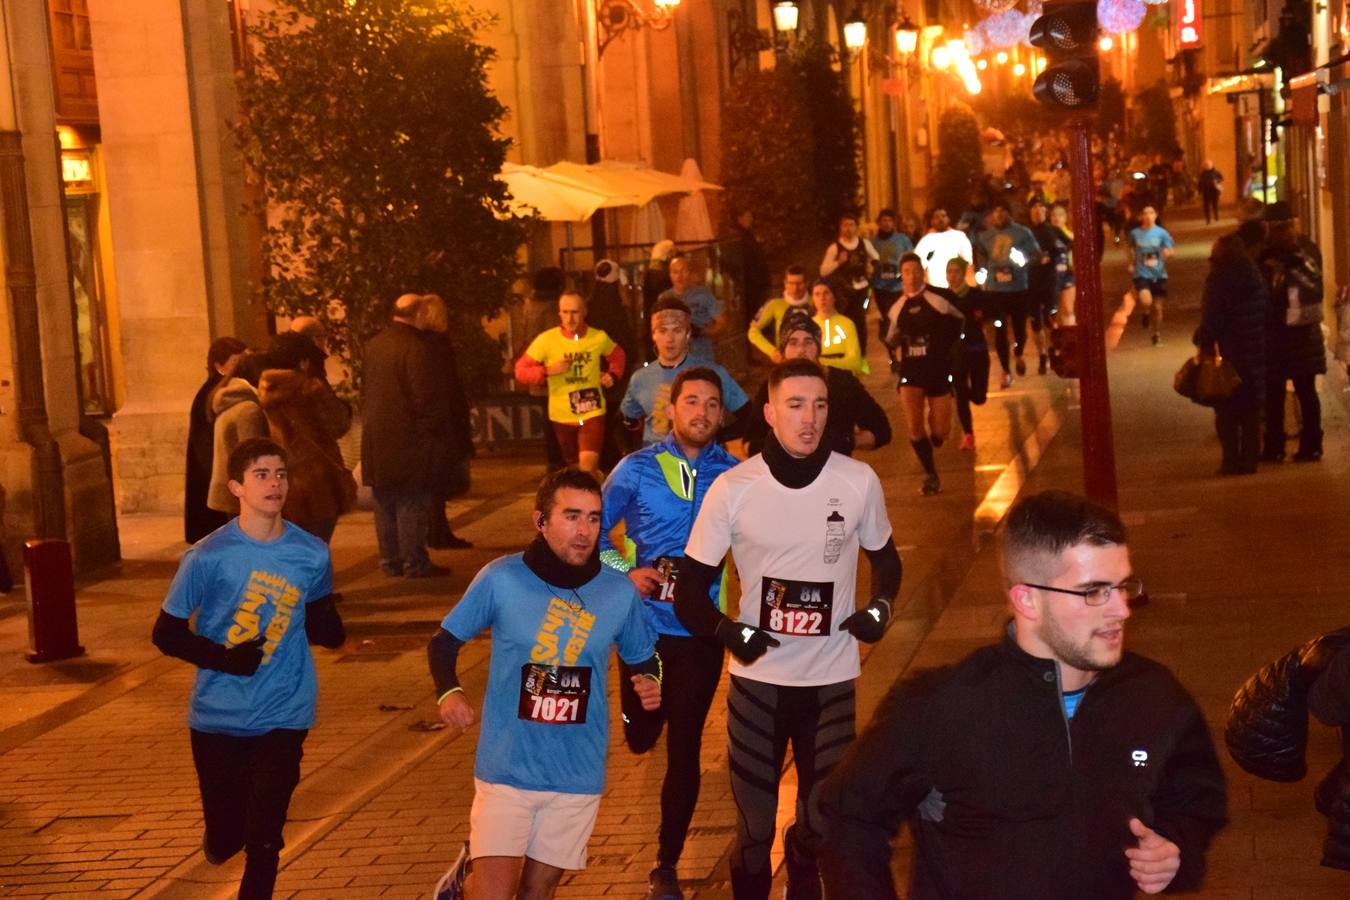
<point>1189,33</point>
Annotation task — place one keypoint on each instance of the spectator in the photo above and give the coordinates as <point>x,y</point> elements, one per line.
<point>455,447</point>
<point>236,416</point>
<point>747,261</point>
<point>199,520</point>
<point>1211,182</point>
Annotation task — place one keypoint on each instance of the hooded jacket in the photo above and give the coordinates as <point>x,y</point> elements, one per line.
<point>237,417</point>
<point>1011,799</point>
<point>307,419</point>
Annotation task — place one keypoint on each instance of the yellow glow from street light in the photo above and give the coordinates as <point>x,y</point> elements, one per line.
<point>1105,44</point>
<point>941,57</point>
<point>982,64</point>
<point>1001,57</point>
<point>1019,70</point>
<point>1041,64</point>
<point>785,16</point>
<point>667,4</point>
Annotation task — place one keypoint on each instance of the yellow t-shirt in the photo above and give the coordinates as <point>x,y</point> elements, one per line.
<point>771,313</point>
<point>839,345</point>
<point>575,395</point>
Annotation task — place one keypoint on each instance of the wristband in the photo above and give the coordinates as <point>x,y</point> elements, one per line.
<point>453,690</point>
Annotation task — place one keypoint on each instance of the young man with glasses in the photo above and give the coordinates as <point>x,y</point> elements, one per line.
<point>1051,765</point>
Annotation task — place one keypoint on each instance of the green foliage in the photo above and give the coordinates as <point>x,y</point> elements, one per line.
<point>789,151</point>
<point>835,132</point>
<point>375,137</point>
<point>1155,125</point>
<point>768,161</point>
<point>960,163</point>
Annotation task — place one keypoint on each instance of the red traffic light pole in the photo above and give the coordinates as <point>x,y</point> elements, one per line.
<point>1099,449</point>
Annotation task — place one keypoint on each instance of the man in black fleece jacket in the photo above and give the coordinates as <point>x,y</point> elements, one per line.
<point>1053,765</point>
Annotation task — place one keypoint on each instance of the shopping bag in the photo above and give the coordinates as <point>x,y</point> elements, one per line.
<point>1184,381</point>
<point>451,885</point>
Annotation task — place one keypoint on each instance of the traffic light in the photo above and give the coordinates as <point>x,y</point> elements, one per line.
<point>1067,32</point>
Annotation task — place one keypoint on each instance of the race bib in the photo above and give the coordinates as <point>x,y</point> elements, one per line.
<point>798,608</point>
<point>554,695</point>
<point>584,400</point>
<point>1151,260</point>
<point>669,570</point>
<point>917,349</point>
<point>1003,276</point>
<point>1061,267</point>
<point>890,271</point>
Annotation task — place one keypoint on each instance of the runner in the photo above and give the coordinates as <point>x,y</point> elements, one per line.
<point>1004,251</point>
<point>770,316</point>
<point>839,345</point>
<point>579,363</point>
<point>646,403</point>
<point>940,245</point>
<point>1149,247</point>
<point>262,590</point>
<point>972,361</point>
<point>554,611</point>
<point>925,327</point>
<point>851,259</point>
<point>794,518</point>
<point>890,246</point>
<point>656,493</point>
<point>1061,252</point>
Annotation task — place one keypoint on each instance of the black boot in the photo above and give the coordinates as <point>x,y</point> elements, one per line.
<point>1309,446</point>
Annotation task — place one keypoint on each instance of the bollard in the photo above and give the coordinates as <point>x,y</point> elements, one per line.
<point>51,601</point>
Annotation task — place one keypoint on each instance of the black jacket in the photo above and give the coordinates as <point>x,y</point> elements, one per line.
<point>405,411</point>
<point>1267,731</point>
<point>1294,351</point>
<point>1234,315</point>
<point>1010,800</point>
<point>850,405</point>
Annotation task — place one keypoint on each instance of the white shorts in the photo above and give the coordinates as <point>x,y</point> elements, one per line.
<point>547,826</point>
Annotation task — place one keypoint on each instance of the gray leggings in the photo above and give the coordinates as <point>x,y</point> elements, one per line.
<point>762,718</point>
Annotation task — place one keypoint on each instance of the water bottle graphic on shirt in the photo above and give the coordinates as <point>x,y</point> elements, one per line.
<point>834,537</point>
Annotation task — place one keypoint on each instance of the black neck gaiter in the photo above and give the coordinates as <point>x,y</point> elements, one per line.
<point>542,561</point>
<point>792,471</point>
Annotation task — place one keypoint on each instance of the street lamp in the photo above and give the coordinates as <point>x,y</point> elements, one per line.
<point>906,36</point>
<point>614,17</point>
<point>855,31</point>
<point>785,16</point>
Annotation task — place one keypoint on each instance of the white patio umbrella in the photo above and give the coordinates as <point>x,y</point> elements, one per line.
<point>692,222</point>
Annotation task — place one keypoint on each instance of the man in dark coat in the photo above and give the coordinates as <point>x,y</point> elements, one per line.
<point>404,415</point>
<point>199,520</point>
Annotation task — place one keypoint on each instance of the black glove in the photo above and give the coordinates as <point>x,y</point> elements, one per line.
<point>242,659</point>
<point>869,623</point>
<point>746,642</point>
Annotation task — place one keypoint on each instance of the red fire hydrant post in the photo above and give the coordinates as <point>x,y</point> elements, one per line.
<point>50,578</point>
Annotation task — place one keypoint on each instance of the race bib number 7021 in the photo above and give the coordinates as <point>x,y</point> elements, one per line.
<point>554,695</point>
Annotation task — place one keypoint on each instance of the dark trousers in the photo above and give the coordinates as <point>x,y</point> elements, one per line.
<point>885,300</point>
<point>692,667</point>
<point>762,719</point>
<point>1238,422</point>
<point>971,380</point>
<point>1000,319</point>
<point>1210,200</point>
<point>401,528</point>
<point>1310,407</point>
<point>246,785</point>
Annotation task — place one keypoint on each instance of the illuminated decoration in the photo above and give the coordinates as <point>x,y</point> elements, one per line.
<point>976,43</point>
<point>982,64</point>
<point>1019,70</point>
<point>1041,64</point>
<point>614,17</point>
<point>1106,44</point>
<point>906,36</point>
<point>1120,16</point>
<point>855,30</point>
<point>1188,18</point>
<point>996,6</point>
<point>1006,29</point>
<point>785,15</point>
<point>1001,57</point>
<point>941,57</point>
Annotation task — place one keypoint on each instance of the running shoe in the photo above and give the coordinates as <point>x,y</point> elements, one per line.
<point>968,442</point>
<point>931,486</point>
<point>1157,340</point>
<point>1045,364</point>
<point>1021,366</point>
<point>1007,380</point>
<point>664,885</point>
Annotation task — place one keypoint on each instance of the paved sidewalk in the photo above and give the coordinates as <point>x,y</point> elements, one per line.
<point>97,794</point>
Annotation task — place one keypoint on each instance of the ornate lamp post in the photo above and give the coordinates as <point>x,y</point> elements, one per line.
<point>614,17</point>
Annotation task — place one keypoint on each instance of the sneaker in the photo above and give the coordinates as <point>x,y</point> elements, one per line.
<point>931,486</point>
<point>1021,366</point>
<point>1045,364</point>
<point>663,884</point>
<point>430,570</point>
<point>1157,340</point>
<point>392,569</point>
<point>1308,456</point>
<point>968,442</point>
<point>803,874</point>
<point>1007,380</point>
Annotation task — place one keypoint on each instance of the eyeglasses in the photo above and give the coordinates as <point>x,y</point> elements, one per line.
<point>1130,589</point>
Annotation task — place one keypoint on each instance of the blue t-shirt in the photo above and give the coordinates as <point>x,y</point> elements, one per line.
<point>704,307</point>
<point>546,711</point>
<point>241,588</point>
<point>1006,253</point>
<point>648,395</point>
<point>887,277</point>
<point>1148,245</point>
<point>656,493</point>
